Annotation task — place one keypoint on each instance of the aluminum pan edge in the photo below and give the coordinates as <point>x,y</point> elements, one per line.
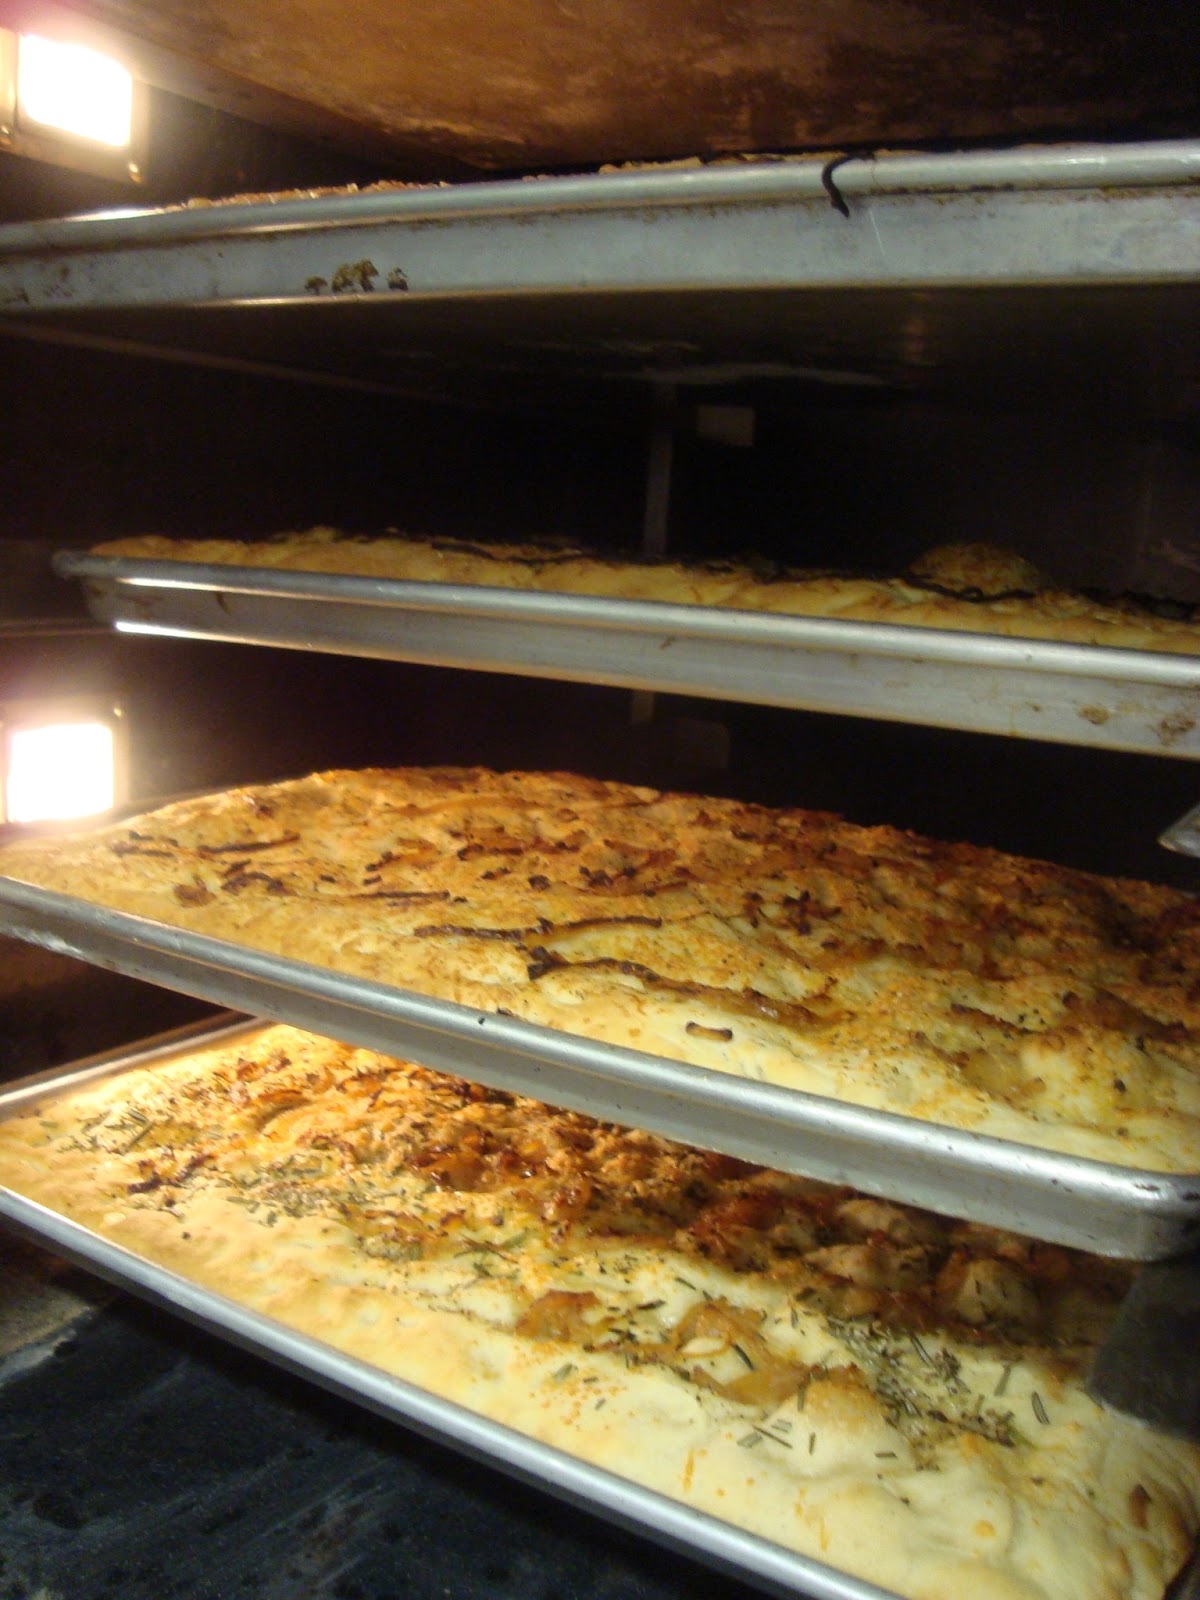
<point>1159,668</point>
<point>667,1522</point>
<point>1071,1200</point>
<point>1149,164</point>
<point>1093,695</point>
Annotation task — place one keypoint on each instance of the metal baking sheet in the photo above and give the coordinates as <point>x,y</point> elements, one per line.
<point>692,274</point>
<point>1110,1210</point>
<point>769,1566</point>
<point>1114,213</point>
<point>1094,695</point>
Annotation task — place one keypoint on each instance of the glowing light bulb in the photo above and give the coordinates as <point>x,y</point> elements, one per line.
<point>59,771</point>
<point>73,89</point>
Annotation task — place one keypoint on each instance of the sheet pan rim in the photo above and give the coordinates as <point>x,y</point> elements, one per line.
<point>1147,1214</point>
<point>1147,164</point>
<point>967,648</point>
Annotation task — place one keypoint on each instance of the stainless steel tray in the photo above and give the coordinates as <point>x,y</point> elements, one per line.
<point>1103,213</point>
<point>1086,254</point>
<point>1107,1209</point>
<point>768,1565</point>
<point>1075,694</point>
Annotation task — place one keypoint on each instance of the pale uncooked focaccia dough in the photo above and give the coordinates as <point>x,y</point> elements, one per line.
<point>886,1391</point>
<point>944,982</point>
<point>972,588</point>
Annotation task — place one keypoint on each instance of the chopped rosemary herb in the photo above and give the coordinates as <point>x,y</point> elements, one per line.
<point>774,1437</point>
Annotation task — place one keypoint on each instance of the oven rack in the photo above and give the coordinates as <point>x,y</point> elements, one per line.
<point>375,290</point>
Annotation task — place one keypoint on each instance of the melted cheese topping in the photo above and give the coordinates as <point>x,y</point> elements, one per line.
<point>798,1359</point>
<point>965,587</point>
<point>939,981</point>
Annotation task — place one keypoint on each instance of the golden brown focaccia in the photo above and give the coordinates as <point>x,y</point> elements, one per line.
<point>941,981</point>
<point>963,587</point>
<point>884,1390</point>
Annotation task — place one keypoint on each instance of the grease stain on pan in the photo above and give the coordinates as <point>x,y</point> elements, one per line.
<point>354,277</point>
<point>1175,727</point>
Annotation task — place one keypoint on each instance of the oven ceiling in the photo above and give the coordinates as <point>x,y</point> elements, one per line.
<point>492,85</point>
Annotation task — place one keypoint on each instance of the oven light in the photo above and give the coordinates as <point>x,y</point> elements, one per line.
<point>59,770</point>
<point>71,89</point>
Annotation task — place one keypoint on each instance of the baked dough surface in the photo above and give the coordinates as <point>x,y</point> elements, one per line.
<point>972,588</point>
<point>886,1391</point>
<point>941,981</point>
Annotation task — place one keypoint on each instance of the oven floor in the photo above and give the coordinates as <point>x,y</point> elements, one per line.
<point>143,1460</point>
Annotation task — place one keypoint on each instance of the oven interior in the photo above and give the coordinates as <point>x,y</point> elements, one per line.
<point>147,1460</point>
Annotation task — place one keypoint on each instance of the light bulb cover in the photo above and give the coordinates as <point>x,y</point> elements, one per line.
<point>61,759</point>
<point>66,102</point>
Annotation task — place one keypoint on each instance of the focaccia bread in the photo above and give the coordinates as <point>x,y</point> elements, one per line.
<point>963,587</point>
<point>940,981</point>
<point>883,1390</point>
